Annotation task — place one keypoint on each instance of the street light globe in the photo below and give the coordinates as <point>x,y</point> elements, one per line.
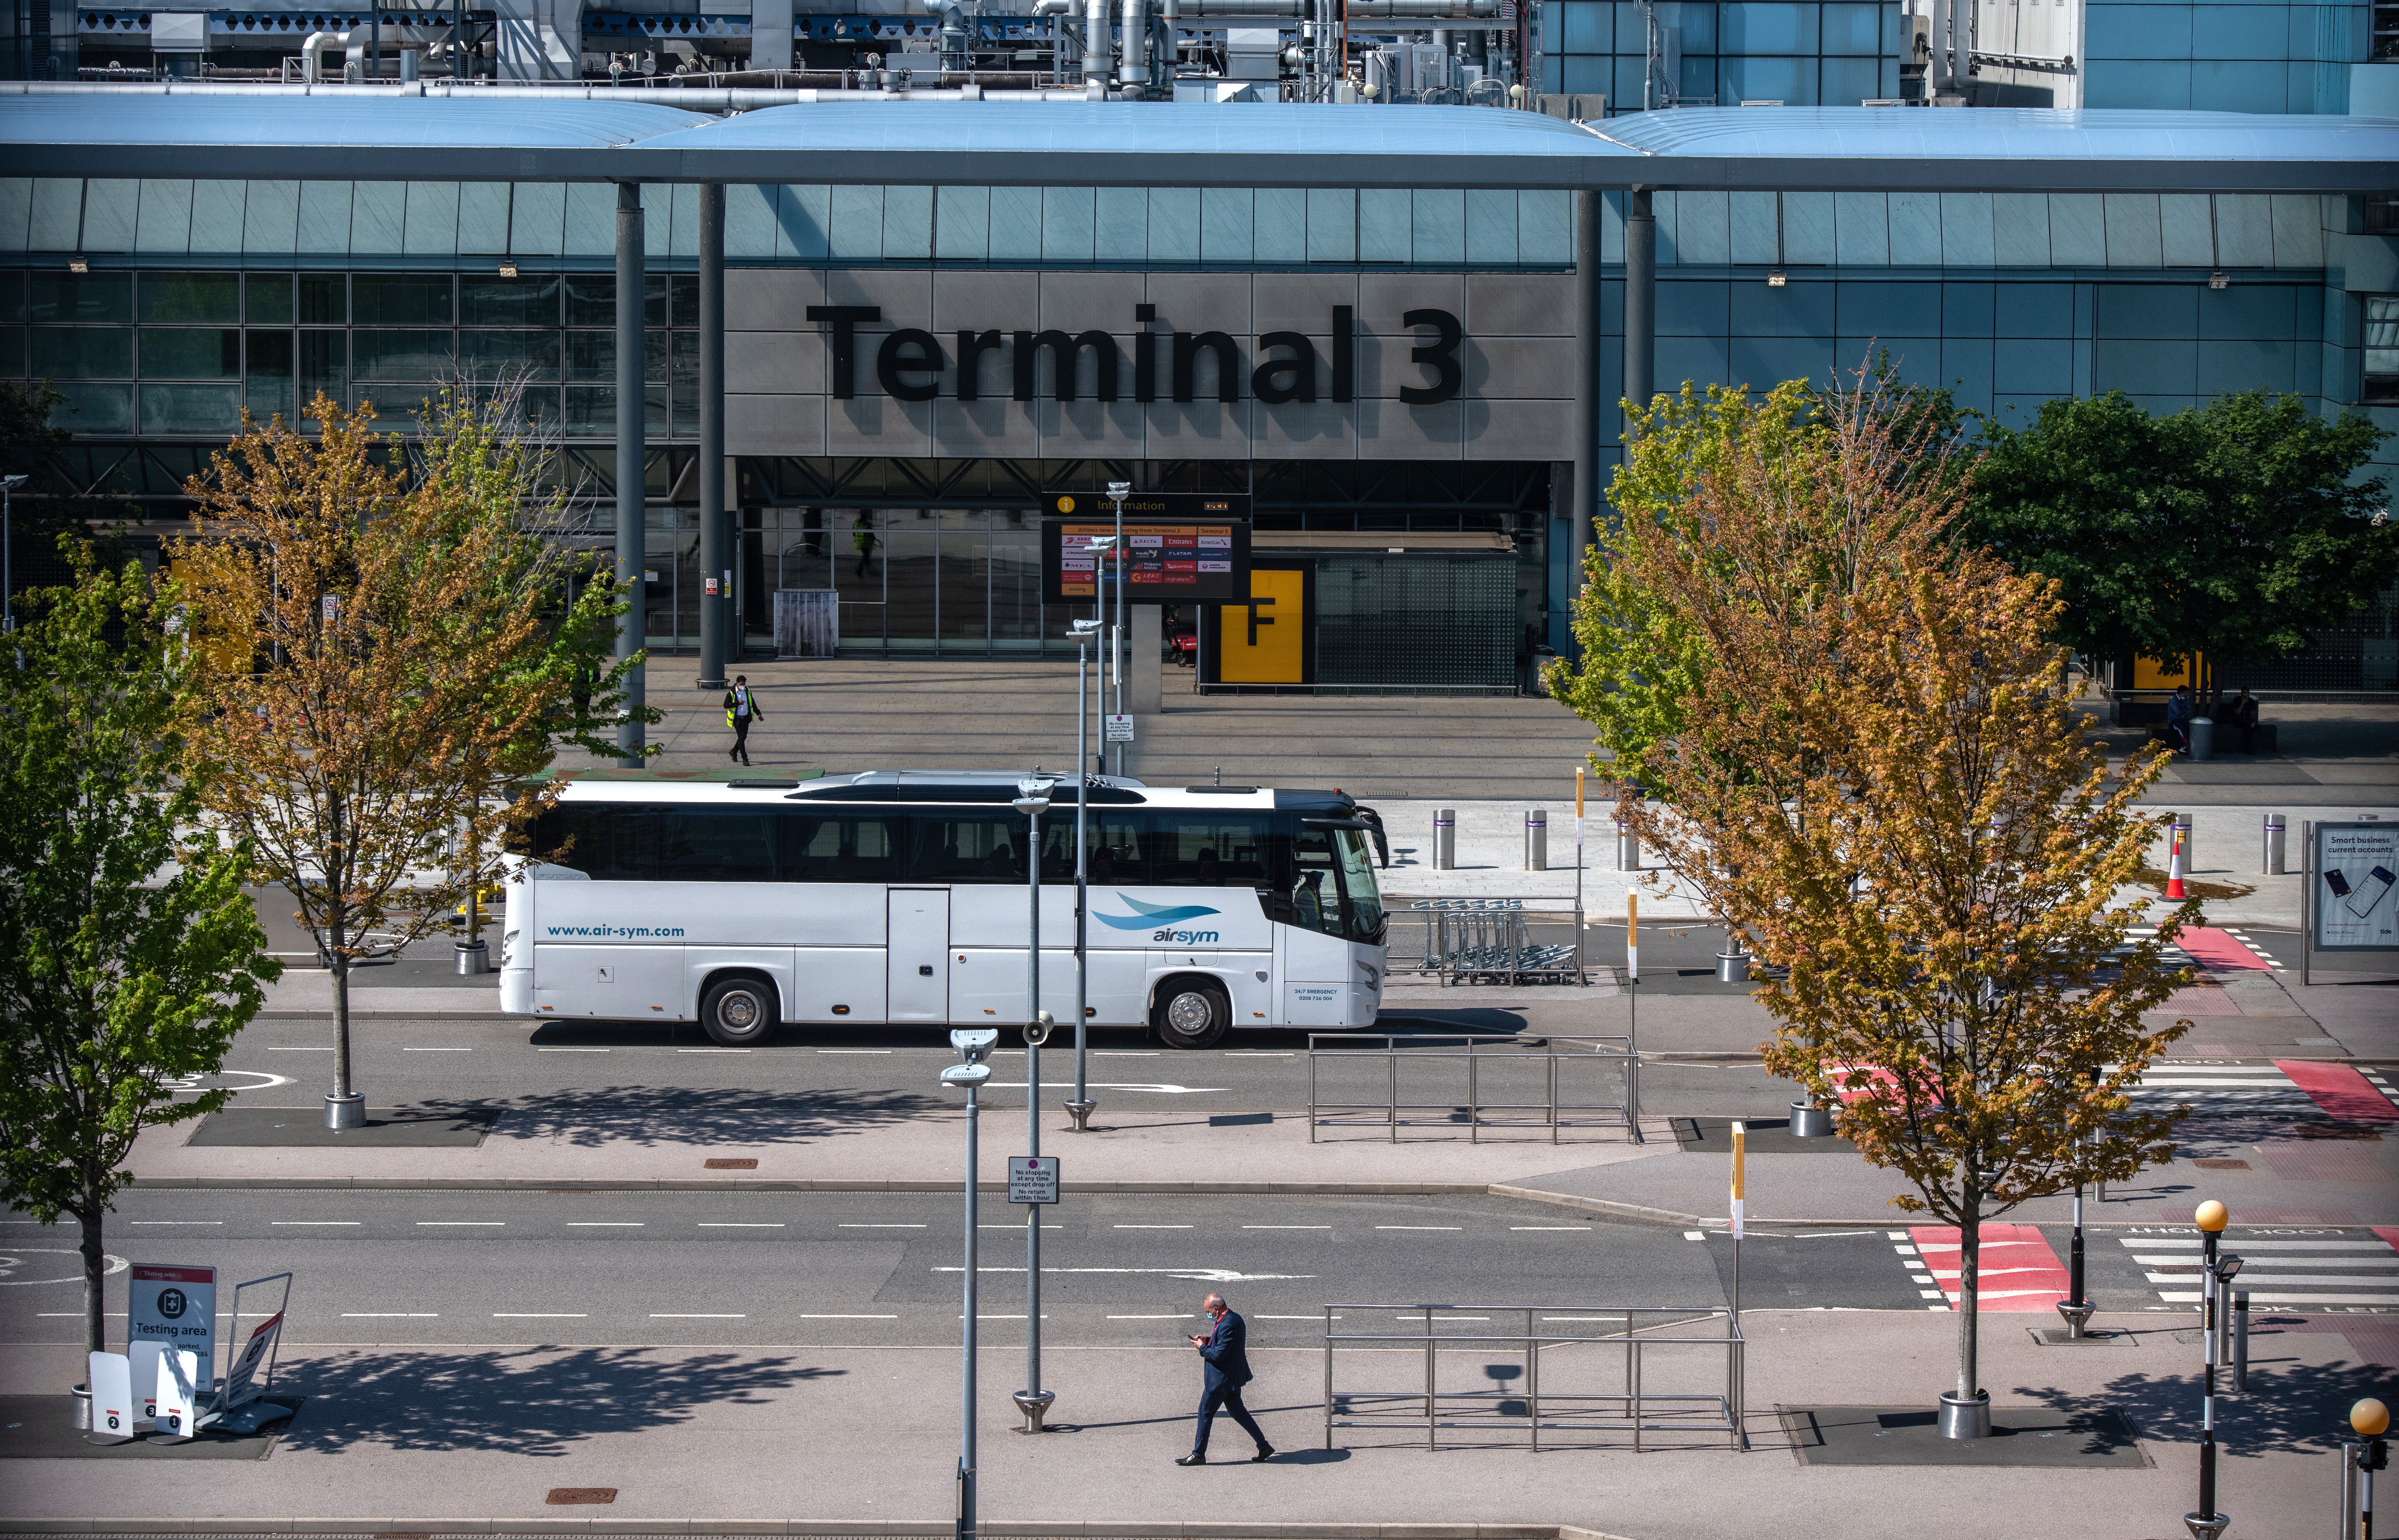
<point>1370,90</point>
<point>2212,1216</point>
<point>2369,1417</point>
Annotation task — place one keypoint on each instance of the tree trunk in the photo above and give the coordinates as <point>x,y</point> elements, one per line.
<point>1969,1245</point>
<point>95,1268</point>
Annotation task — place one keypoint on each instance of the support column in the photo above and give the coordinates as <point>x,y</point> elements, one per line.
<point>1590,390</point>
<point>632,538</point>
<point>1640,299</point>
<point>715,535</point>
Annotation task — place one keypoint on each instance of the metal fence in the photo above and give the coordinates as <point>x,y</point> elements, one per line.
<point>1584,1368</point>
<point>1495,940</point>
<point>1538,1074</point>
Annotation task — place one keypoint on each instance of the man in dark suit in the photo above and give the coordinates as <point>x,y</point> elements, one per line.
<point>1224,1349</point>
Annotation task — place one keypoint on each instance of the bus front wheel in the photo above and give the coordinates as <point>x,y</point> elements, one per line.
<point>1191,1013</point>
<point>739,1011</point>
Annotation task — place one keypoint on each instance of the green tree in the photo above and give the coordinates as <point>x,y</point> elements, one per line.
<point>130,955</point>
<point>2229,529</point>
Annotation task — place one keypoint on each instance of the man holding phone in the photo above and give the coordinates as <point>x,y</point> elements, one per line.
<point>1225,1353</point>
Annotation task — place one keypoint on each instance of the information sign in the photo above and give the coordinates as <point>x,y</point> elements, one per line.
<point>1119,728</point>
<point>1032,1178</point>
<point>241,1375</point>
<point>1200,560</point>
<point>2355,868</point>
<point>174,1307</point>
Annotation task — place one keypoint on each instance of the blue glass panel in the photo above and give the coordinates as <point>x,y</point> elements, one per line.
<point>1333,224</point>
<point>2020,230</point>
<point>1173,224</point>
<point>658,218</point>
<point>1764,80</point>
<point>2239,85</point>
<point>2147,311</point>
<point>1808,229</point>
<point>589,227</point>
<point>483,218</point>
<point>56,222</point>
<point>2238,31</point>
<point>1853,28</point>
<point>1966,368</point>
<point>2133,239</point>
<point>1630,73</point>
<point>431,227</point>
<point>1861,229</point>
<point>2249,312</point>
<point>108,211</point>
<point>324,227</point>
<point>1848,81</point>
<point>1798,309</point>
<point>1016,225</point>
<point>2298,231</point>
<point>1438,220</point>
<point>1754,230</point>
<point>857,224</point>
<point>1120,224</point>
<point>537,219</point>
<point>1224,225</point>
<point>1893,309</point>
<point>94,408</point>
<point>2244,230</point>
<point>749,222</point>
<point>1545,227</point>
<point>1966,230</point>
<point>1693,307</point>
<point>1590,28</point>
<point>962,223</point>
<point>15,212</point>
<point>2257,364</point>
<point>804,223</point>
<point>2136,32</point>
<point>2182,224</point>
<point>1553,78</point>
<point>1695,360</point>
<point>217,217</point>
<point>1916,229</point>
<point>683,229</point>
<point>1067,223</point>
<point>1703,228</point>
<point>1281,224</point>
<point>2078,230</point>
<point>2148,367</point>
<point>1490,228</point>
<point>164,226</point>
<point>1699,24</point>
<point>1765,26</point>
<point>1582,72</point>
<point>2161,86</point>
<point>190,407</point>
<point>2033,366</point>
<point>378,213</point>
<point>1762,362</point>
<point>1700,78</point>
<point>1385,218</point>
<point>907,224</point>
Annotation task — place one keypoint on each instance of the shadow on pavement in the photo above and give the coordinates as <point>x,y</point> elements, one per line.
<point>2300,1409</point>
<point>516,1400</point>
<point>654,1115</point>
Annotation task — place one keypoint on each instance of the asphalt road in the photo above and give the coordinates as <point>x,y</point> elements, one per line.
<point>883,1269</point>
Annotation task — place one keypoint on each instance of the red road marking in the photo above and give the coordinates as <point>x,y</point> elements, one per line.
<point>2018,1270</point>
<point>2340,1090</point>
<point>2211,948</point>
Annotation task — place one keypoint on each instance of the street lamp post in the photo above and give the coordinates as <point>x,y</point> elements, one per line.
<point>2359,1457</point>
<point>1081,1107</point>
<point>973,1044</point>
<point>2211,1218</point>
<point>2076,1307</point>
<point>1033,800</point>
<point>1119,491</point>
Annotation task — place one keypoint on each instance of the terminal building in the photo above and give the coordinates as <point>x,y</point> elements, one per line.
<point>1389,373</point>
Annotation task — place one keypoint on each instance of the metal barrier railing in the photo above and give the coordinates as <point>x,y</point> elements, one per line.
<point>1572,1402</point>
<point>1512,1060</point>
<point>1498,940</point>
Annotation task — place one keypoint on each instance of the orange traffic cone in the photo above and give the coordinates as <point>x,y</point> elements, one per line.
<point>2177,860</point>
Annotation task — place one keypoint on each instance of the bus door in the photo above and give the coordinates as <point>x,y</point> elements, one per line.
<point>916,954</point>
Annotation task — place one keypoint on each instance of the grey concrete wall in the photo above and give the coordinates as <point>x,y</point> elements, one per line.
<point>1515,403</point>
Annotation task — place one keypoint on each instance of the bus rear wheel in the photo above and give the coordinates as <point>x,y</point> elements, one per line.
<point>738,1012</point>
<point>1191,1013</point>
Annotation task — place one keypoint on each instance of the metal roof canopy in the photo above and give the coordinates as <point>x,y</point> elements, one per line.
<point>381,138</point>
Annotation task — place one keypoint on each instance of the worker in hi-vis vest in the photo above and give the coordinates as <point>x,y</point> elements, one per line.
<point>740,710</point>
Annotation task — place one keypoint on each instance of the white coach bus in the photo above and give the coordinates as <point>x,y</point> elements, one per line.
<point>900,897</point>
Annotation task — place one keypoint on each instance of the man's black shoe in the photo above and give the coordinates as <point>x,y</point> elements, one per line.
<point>1193,1460</point>
<point>1266,1453</point>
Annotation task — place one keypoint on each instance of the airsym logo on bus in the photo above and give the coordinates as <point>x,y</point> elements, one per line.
<point>1145,916</point>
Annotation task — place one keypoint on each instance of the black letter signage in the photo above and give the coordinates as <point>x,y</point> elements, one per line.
<point>845,319</point>
<point>905,352</point>
<point>1441,358</point>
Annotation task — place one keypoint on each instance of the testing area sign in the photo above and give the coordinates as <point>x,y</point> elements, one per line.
<point>2355,867</point>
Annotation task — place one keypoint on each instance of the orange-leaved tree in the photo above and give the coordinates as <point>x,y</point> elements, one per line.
<point>1877,778</point>
<point>393,652</point>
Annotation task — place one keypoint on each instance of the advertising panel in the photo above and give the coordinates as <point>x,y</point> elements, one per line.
<point>2354,869</point>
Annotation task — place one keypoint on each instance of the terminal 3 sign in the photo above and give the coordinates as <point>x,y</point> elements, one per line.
<point>910,363</point>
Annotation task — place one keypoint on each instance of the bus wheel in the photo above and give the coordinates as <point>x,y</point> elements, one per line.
<point>1191,1013</point>
<point>738,1012</point>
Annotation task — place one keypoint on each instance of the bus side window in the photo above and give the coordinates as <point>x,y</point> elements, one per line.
<point>838,846</point>
<point>608,842</point>
<point>965,846</point>
<point>717,844</point>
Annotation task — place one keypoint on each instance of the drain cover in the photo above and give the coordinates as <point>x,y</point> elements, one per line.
<point>569,1496</point>
<point>742,1163</point>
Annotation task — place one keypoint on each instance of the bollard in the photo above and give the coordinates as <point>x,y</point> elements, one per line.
<point>2273,844</point>
<point>2241,1339</point>
<point>2203,739</point>
<point>1628,844</point>
<point>1537,838</point>
<point>1445,838</point>
<point>2359,1458</point>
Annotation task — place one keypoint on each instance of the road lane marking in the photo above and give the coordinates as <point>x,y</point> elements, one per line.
<point>460,1223</point>
<point>1286,1227</point>
<point>437,1050</point>
<point>845,1318</point>
<point>1548,1227</point>
<point>389,1316</point>
<point>665,1315</point>
<point>571,1051</point>
<point>1161,1317</point>
<point>1419,1227</point>
<point>1189,1275</point>
<point>309,1050</point>
<point>605,1223</point>
<point>1295,1317</point>
<point>849,1226</point>
<point>712,1050</point>
<point>304,1224</point>
<point>1152,1227</point>
<point>740,1225</point>
<point>849,1317</point>
<point>166,1221</point>
<point>1694,1234</point>
<point>540,1315</point>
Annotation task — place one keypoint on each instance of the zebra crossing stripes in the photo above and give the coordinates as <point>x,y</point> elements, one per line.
<point>2359,1270</point>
